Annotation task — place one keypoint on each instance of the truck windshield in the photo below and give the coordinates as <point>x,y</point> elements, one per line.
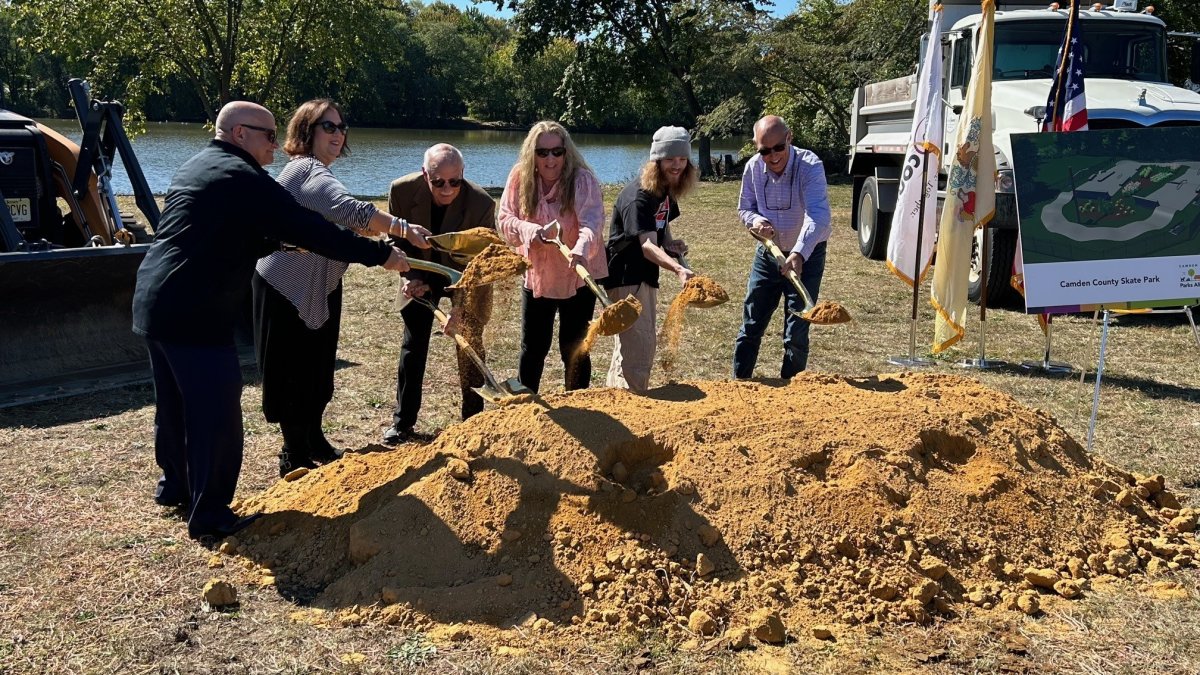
<point>1124,50</point>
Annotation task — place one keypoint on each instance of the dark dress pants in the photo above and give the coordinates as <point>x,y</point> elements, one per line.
<point>198,429</point>
<point>537,331</point>
<point>296,362</point>
<point>410,371</point>
<point>764,288</point>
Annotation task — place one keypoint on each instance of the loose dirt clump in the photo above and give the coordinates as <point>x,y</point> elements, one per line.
<point>494,263</point>
<point>613,319</point>
<point>826,312</point>
<point>721,506</point>
<point>699,291</point>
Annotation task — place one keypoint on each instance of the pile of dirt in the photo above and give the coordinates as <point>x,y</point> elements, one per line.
<point>494,263</point>
<point>699,291</point>
<point>826,312</point>
<point>720,507</point>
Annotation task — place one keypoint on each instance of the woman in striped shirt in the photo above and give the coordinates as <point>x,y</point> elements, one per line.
<point>298,294</point>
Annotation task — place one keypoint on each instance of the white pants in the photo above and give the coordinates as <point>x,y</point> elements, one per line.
<point>633,350</point>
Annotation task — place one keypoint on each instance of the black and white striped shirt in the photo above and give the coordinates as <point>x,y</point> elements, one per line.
<point>305,278</point>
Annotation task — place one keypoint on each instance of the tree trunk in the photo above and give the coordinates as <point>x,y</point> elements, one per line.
<point>706,167</point>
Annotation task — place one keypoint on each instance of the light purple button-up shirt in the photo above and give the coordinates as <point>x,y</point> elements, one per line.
<point>796,202</point>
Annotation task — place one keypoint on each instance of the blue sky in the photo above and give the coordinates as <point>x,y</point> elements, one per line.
<point>781,8</point>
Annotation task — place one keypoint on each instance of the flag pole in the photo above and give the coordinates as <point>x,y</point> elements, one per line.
<point>983,362</point>
<point>913,361</point>
<point>1046,364</point>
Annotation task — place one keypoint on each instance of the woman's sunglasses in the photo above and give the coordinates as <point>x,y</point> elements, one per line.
<point>329,127</point>
<point>441,182</point>
<point>546,152</point>
<point>776,148</point>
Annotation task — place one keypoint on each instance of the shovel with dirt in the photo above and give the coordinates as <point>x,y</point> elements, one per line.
<point>616,317</point>
<point>465,245</point>
<point>699,291</point>
<point>825,313</point>
<point>500,393</point>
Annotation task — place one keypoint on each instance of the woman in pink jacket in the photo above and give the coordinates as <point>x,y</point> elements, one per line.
<point>552,182</point>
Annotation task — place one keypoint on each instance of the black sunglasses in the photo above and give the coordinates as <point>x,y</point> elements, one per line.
<point>329,127</point>
<point>776,148</point>
<point>440,182</point>
<point>546,152</point>
<point>270,133</point>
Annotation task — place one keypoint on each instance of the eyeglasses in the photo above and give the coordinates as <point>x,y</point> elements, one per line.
<point>441,182</point>
<point>775,148</point>
<point>329,127</point>
<point>546,152</point>
<point>269,133</point>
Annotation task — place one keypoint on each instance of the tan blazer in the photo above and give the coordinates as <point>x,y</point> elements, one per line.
<point>410,198</point>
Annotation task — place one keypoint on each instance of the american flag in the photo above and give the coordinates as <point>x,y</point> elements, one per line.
<point>1066,109</point>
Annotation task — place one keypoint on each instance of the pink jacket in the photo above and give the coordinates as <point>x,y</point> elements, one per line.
<point>549,275</point>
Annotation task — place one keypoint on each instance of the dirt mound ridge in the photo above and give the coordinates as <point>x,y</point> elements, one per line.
<point>826,499</point>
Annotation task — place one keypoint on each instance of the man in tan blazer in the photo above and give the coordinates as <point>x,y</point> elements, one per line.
<point>439,198</point>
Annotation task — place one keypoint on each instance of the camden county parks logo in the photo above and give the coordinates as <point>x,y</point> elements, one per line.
<point>1189,275</point>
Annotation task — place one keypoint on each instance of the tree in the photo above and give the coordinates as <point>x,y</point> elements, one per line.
<point>814,59</point>
<point>223,49</point>
<point>688,40</point>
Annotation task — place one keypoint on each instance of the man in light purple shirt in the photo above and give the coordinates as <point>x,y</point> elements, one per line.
<point>785,198</point>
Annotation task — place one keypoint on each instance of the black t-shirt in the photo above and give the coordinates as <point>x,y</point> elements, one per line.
<point>636,212</point>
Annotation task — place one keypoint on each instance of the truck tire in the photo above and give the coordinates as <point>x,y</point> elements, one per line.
<point>1000,292</point>
<point>873,224</point>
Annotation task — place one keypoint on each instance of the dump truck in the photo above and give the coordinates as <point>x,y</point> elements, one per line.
<point>68,255</point>
<point>1126,69</point>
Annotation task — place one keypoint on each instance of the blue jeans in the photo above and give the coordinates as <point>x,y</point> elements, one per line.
<point>763,291</point>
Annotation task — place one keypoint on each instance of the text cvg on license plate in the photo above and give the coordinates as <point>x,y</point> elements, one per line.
<point>19,210</point>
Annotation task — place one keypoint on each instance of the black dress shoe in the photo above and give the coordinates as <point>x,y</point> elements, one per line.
<point>290,461</point>
<point>165,495</point>
<point>219,533</point>
<point>320,450</point>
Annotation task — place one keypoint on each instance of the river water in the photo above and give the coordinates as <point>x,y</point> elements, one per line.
<point>379,156</point>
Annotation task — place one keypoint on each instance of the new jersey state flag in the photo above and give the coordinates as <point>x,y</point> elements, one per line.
<point>970,193</point>
<point>920,172</point>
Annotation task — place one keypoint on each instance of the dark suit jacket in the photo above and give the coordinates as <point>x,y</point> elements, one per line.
<point>410,198</point>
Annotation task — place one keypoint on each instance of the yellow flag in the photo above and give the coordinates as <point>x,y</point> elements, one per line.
<point>970,193</point>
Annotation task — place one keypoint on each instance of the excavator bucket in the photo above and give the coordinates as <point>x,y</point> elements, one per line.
<point>65,318</point>
<point>68,257</point>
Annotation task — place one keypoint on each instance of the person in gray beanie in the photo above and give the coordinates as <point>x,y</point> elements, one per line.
<point>640,243</point>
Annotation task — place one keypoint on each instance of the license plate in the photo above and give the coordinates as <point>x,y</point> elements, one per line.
<point>19,210</point>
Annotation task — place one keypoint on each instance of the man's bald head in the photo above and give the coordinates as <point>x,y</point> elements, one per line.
<point>443,164</point>
<point>771,140</point>
<point>442,155</point>
<point>769,125</point>
<point>250,127</point>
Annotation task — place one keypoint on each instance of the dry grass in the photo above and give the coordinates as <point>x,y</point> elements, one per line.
<point>95,578</point>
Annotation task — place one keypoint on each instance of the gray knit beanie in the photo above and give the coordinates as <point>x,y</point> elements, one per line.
<point>671,142</point>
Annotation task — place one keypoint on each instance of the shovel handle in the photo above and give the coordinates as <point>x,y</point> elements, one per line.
<point>579,269</point>
<point>462,344</point>
<point>773,249</point>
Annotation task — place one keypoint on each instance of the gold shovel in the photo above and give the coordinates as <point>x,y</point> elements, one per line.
<point>493,390</point>
<point>616,317</point>
<point>464,245</point>
<point>827,313</point>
